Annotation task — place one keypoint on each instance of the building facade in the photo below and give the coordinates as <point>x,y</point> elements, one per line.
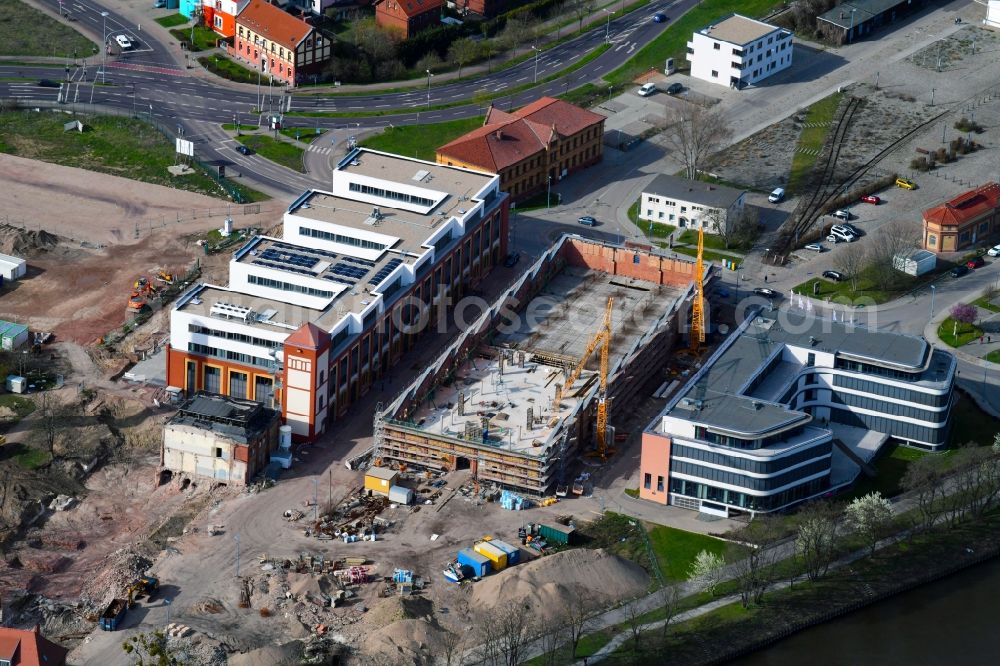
<point>220,15</point>
<point>279,44</point>
<point>969,220</point>
<point>484,8</point>
<point>992,19</point>
<point>310,322</point>
<point>692,204</point>
<point>531,149</point>
<point>739,51</point>
<point>751,430</point>
<point>408,17</point>
<point>852,20</point>
<point>24,647</point>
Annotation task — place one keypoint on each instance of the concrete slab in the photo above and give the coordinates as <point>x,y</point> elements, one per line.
<point>153,370</point>
<point>864,443</point>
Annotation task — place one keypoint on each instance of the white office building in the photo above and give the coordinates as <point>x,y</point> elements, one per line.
<point>739,51</point>
<point>690,204</point>
<point>992,19</point>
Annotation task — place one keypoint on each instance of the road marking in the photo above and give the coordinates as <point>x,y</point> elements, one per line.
<point>523,78</point>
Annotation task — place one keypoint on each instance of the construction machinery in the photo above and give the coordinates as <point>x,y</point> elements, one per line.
<point>165,277</point>
<point>144,586</point>
<point>142,290</point>
<point>697,333</point>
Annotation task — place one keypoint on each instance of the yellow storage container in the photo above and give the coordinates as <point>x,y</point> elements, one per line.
<point>380,479</point>
<point>497,557</point>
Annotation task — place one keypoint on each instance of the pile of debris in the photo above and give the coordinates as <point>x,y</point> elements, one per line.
<point>121,569</point>
<point>21,242</point>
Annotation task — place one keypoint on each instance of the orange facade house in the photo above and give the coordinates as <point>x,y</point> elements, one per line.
<point>220,15</point>
<point>969,220</point>
<point>279,44</point>
<point>408,17</point>
<point>532,148</point>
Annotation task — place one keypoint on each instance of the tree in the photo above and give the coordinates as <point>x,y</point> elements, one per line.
<point>815,540</point>
<point>871,517</point>
<point>633,618</point>
<point>891,240</point>
<point>51,421</point>
<point>581,10</point>
<point>924,479</point>
<point>579,616</point>
<point>850,262</point>
<point>462,52</point>
<point>754,573</point>
<point>963,313</point>
<point>504,633</point>
<point>696,133</point>
<point>740,229</point>
<point>452,643</point>
<point>668,596</point>
<point>706,571</point>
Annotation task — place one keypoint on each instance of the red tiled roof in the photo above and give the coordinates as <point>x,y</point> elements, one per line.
<point>309,336</point>
<point>35,649</point>
<point>966,206</point>
<point>508,138</point>
<point>414,8</point>
<point>275,24</point>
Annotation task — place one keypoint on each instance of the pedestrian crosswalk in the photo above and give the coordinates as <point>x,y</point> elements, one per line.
<point>322,150</point>
<point>808,151</point>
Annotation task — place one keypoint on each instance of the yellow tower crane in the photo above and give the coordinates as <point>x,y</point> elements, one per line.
<point>698,304</point>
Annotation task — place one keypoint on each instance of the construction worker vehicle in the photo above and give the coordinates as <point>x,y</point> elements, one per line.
<point>142,290</point>
<point>146,586</point>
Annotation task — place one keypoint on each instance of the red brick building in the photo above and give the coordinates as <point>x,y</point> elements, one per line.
<point>967,221</point>
<point>484,8</point>
<point>408,17</point>
<point>531,148</point>
<point>29,648</point>
<point>279,44</point>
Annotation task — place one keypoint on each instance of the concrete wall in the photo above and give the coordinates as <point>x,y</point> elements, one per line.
<point>655,461</point>
<point>622,261</point>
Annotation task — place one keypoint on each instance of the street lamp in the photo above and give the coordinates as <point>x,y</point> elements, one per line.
<point>933,290</point>
<point>537,51</point>
<point>607,27</point>
<point>429,75</point>
<point>548,192</point>
<point>104,32</point>
<point>850,33</point>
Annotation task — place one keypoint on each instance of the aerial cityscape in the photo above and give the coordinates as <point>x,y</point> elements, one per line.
<point>499,332</point>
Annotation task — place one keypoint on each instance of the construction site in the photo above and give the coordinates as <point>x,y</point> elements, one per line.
<point>518,397</point>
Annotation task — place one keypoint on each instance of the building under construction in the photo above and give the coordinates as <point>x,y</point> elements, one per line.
<point>520,393</point>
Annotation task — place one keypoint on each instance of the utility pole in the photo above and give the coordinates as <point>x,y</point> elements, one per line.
<point>607,27</point>
<point>237,538</point>
<point>104,31</point>
<point>537,51</point>
<point>429,75</point>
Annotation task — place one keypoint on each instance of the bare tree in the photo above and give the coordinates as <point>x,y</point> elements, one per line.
<point>696,134</point>
<point>924,478</point>
<point>504,633</point>
<point>754,572</point>
<point>581,10</point>
<point>669,598</point>
<point>579,617</point>
<point>553,635</point>
<point>50,422</point>
<point>462,52</point>
<point>633,618</point>
<point>895,238</point>
<point>815,541</point>
<point>452,643</point>
<point>851,261</point>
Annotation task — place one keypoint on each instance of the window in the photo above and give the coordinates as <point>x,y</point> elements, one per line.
<point>288,286</point>
<point>218,22</point>
<point>241,31</point>
<point>649,212</point>
<point>212,379</point>
<point>811,360</point>
<point>932,240</point>
<point>636,259</point>
<point>659,484</point>
<point>648,481</point>
<point>715,74</point>
<point>717,46</point>
<point>238,384</point>
<point>218,452</point>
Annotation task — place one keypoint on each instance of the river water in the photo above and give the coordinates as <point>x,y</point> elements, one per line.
<point>950,622</point>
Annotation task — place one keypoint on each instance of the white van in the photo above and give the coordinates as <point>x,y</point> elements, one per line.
<point>647,89</point>
<point>843,234</point>
<point>776,195</point>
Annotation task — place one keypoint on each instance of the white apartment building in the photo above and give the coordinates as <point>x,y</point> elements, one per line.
<point>992,19</point>
<point>739,51</point>
<point>690,204</point>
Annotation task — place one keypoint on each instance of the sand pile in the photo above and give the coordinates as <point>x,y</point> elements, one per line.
<point>121,568</point>
<point>550,583</point>
<point>289,654</point>
<point>406,642</point>
<point>393,609</point>
<point>21,242</point>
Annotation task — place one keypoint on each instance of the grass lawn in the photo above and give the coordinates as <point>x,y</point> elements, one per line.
<point>891,467</point>
<point>956,334</point>
<point>172,21</point>
<point>27,457</point>
<point>305,134</point>
<point>227,69</point>
<point>204,38</point>
<point>812,138</point>
<point>25,31</point>
<point>109,144</point>
<point>632,492</point>
<point>712,242</point>
<point>672,42</point>
<point>971,424</point>
<point>676,549</point>
<point>993,356</point>
<point>420,141</point>
<point>279,152</point>
<point>648,227</point>
<point>20,406</point>
<point>586,95</point>
<point>985,304</point>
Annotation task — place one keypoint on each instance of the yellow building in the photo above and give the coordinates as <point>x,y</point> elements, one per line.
<point>379,480</point>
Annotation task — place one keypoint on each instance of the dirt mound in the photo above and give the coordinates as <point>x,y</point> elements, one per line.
<point>25,243</point>
<point>406,642</point>
<point>122,567</point>
<point>394,609</point>
<point>288,654</point>
<point>551,583</point>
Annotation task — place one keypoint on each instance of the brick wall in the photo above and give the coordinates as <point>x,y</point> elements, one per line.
<point>622,261</point>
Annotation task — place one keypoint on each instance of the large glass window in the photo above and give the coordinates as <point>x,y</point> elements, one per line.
<point>212,379</point>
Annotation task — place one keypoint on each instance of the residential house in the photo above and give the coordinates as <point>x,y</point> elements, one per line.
<point>220,15</point>
<point>484,8</point>
<point>531,148</point>
<point>850,20</point>
<point>19,647</point>
<point>967,221</point>
<point>190,8</point>
<point>279,44</point>
<point>685,203</point>
<point>739,51</point>
<point>408,17</point>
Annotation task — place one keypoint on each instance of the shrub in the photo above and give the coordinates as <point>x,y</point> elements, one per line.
<point>265,612</point>
<point>966,125</point>
<point>919,163</point>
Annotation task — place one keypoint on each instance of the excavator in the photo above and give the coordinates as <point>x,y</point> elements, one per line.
<point>142,290</point>
<point>165,277</point>
<point>144,586</point>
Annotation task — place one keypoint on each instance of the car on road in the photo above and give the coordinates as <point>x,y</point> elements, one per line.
<point>243,150</point>
<point>994,251</point>
<point>675,89</point>
<point>660,18</point>
<point>872,199</point>
<point>512,259</point>
<point>815,247</point>
<point>976,262</point>
<point>766,293</point>
<point>587,221</point>
<point>647,89</point>
<point>842,214</point>
<point>959,271</point>
<point>776,195</point>
<point>906,184</point>
<point>124,42</point>
<point>48,83</point>
<point>836,276</point>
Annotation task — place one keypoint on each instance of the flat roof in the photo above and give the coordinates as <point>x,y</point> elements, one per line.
<point>236,418</point>
<point>382,473</point>
<point>456,181</point>
<point>865,10</point>
<point>737,29</point>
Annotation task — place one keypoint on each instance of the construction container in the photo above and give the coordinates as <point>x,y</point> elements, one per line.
<point>513,552</point>
<point>16,384</point>
<point>561,534</point>
<point>479,564</point>
<point>113,614</point>
<point>380,479</point>
<point>497,557</point>
<point>12,336</point>
<point>400,495</point>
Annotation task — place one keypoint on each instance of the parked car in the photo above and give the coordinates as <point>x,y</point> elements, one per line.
<point>832,239</point>
<point>48,83</point>
<point>675,89</point>
<point>766,293</point>
<point>853,229</point>
<point>906,184</point>
<point>959,271</point>
<point>976,262</point>
<point>660,18</point>
<point>843,233</point>
<point>776,195</point>
<point>512,259</point>
<point>159,4</point>
<point>836,276</point>
<point>872,199</point>
<point>647,89</point>
<point>124,42</point>
<point>842,214</point>
<point>587,221</point>
<point>243,150</point>
<point>815,247</point>
<point>994,251</point>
